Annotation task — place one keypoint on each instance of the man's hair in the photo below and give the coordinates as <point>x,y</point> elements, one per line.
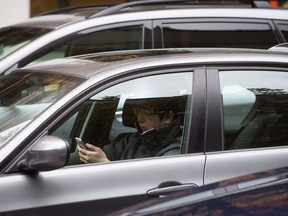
<point>161,106</point>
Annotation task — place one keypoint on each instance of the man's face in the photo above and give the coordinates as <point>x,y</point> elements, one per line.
<point>148,119</point>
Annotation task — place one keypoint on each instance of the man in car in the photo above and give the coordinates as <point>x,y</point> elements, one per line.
<point>159,133</point>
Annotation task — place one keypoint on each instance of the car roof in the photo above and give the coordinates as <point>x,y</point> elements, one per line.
<point>57,18</point>
<point>90,64</point>
<point>54,21</point>
<point>238,8</point>
<point>148,5</point>
<point>49,21</point>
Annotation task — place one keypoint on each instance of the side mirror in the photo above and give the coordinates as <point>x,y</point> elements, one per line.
<point>48,153</point>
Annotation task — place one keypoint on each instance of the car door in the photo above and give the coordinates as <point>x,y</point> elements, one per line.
<point>99,188</point>
<point>254,104</point>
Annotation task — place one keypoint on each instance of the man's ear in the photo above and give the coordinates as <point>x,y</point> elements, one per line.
<point>169,117</point>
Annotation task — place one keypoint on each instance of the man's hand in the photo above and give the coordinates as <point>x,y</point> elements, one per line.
<point>93,155</point>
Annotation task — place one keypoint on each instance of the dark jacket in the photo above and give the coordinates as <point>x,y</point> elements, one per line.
<point>157,142</point>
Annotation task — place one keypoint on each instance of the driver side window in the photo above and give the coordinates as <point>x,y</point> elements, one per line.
<point>143,117</point>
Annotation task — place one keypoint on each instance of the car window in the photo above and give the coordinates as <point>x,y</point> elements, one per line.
<point>109,119</point>
<point>120,38</point>
<point>284,29</point>
<point>25,95</point>
<point>218,34</point>
<point>255,106</point>
<point>12,38</point>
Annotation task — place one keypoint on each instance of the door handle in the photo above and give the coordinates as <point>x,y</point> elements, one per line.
<point>167,188</point>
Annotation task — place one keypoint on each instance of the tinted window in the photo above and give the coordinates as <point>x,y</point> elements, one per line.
<point>218,34</point>
<point>116,118</point>
<point>284,29</point>
<point>122,38</point>
<point>12,39</point>
<point>255,105</point>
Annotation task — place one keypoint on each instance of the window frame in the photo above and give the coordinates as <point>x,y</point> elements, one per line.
<point>279,30</point>
<point>215,92</point>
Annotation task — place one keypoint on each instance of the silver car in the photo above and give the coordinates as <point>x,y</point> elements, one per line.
<point>141,25</point>
<point>233,112</point>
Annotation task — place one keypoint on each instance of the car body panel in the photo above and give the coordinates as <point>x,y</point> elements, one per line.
<point>98,182</point>
<point>222,165</point>
<point>256,194</point>
<point>104,61</point>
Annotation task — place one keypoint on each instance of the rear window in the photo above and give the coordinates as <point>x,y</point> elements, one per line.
<point>255,108</point>
<point>284,29</point>
<point>218,34</point>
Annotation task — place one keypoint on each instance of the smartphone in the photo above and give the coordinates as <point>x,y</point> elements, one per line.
<point>81,143</point>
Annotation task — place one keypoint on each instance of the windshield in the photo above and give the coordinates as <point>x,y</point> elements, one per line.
<point>12,38</point>
<point>24,95</point>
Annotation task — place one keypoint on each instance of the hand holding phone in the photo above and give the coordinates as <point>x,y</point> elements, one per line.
<point>81,143</point>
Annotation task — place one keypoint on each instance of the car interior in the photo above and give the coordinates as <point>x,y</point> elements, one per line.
<point>106,117</point>
<point>262,112</point>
